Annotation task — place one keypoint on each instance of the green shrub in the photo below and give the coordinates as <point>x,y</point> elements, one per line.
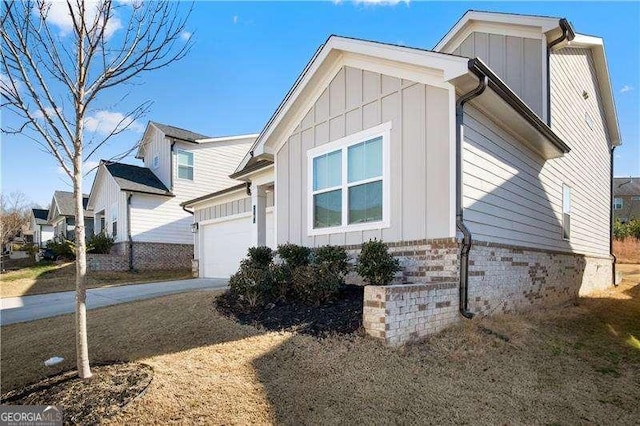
<point>251,286</point>
<point>62,248</point>
<point>375,264</point>
<point>315,284</point>
<point>630,229</point>
<point>334,258</point>
<point>100,243</point>
<point>259,257</point>
<point>294,255</point>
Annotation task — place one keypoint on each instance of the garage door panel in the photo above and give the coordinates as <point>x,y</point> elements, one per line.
<point>224,244</point>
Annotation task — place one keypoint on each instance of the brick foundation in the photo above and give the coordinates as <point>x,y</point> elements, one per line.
<point>146,256</point>
<point>424,297</point>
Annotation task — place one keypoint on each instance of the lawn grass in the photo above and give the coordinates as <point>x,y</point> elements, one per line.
<point>54,277</point>
<point>572,365</point>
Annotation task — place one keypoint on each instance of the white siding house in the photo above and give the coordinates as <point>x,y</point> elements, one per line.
<point>485,164</point>
<point>140,205</point>
<point>42,230</point>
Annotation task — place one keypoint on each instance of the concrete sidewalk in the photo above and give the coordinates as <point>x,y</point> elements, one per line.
<point>29,308</point>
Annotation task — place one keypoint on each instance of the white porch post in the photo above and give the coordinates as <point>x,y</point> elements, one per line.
<point>259,215</point>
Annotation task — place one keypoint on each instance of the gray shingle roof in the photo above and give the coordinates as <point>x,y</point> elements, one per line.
<point>137,179</point>
<point>64,200</point>
<point>626,186</point>
<point>178,133</point>
<point>40,215</point>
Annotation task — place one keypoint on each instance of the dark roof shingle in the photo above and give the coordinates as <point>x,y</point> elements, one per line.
<point>136,179</point>
<point>626,186</point>
<point>178,133</point>
<point>40,215</point>
<point>64,200</point>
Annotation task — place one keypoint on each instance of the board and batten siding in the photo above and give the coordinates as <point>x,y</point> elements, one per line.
<point>158,145</point>
<point>516,60</point>
<point>419,147</point>
<point>107,194</point>
<point>514,196</point>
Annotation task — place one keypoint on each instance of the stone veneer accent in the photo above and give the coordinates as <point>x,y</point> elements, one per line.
<point>146,256</point>
<point>399,313</point>
<point>424,297</point>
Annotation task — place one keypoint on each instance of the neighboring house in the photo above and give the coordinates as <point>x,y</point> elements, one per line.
<point>42,230</point>
<point>485,164</point>
<point>61,215</point>
<point>626,201</point>
<point>140,205</point>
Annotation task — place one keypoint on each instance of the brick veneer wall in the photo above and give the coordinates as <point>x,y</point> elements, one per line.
<point>505,278</point>
<point>502,279</point>
<point>146,256</point>
<point>399,313</point>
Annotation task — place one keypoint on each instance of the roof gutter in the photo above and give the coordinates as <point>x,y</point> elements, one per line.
<point>466,241</point>
<point>567,34</point>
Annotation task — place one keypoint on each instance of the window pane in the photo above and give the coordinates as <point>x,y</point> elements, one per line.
<point>185,172</point>
<point>327,170</point>
<point>566,226</point>
<point>365,203</point>
<point>566,199</point>
<point>327,209</point>
<point>185,158</point>
<point>365,160</point>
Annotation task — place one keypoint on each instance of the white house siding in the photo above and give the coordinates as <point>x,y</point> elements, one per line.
<point>45,234</point>
<point>516,60</point>
<point>513,196</point>
<point>107,194</point>
<point>157,145</point>
<point>156,219</point>
<point>419,147</point>
<point>237,204</point>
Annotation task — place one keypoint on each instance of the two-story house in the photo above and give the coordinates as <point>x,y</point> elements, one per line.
<point>626,202</point>
<point>485,163</point>
<point>42,230</point>
<point>61,215</point>
<point>140,206</point>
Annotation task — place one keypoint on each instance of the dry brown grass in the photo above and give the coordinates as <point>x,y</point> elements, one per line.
<point>578,364</point>
<point>50,278</point>
<point>627,250</point>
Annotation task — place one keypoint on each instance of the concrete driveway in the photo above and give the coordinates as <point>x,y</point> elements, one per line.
<point>29,308</point>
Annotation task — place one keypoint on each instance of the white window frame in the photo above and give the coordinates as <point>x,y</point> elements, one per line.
<point>382,130</point>
<point>114,219</point>
<point>568,188</point>
<point>618,203</point>
<point>193,166</point>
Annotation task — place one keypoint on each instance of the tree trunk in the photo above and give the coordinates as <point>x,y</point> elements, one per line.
<point>82,345</point>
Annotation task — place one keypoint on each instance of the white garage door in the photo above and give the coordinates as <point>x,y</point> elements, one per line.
<point>224,244</point>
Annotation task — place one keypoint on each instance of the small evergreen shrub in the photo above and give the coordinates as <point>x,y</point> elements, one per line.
<point>251,286</point>
<point>260,257</point>
<point>62,248</point>
<point>315,284</point>
<point>375,264</point>
<point>334,258</point>
<point>100,243</point>
<point>294,255</point>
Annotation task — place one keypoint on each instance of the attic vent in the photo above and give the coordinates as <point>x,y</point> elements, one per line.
<point>585,95</point>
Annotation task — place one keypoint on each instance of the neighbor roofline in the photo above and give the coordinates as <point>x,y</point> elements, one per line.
<point>228,138</point>
<point>261,164</point>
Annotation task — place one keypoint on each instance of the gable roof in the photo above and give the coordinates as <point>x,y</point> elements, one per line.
<point>64,205</point>
<point>627,186</point>
<point>536,26</point>
<point>40,215</point>
<point>178,133</point>
<point>136,179</point>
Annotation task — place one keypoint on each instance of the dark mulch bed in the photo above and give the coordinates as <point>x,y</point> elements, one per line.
<point>342,316</point>
<point>89,401</point>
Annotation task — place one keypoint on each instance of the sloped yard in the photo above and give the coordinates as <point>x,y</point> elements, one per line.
<point>54,277</point>
<point>574,365</point>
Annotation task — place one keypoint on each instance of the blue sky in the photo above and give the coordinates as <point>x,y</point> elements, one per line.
<point>246,56</point>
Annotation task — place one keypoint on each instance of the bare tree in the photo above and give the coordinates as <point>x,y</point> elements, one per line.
<point>57,58</point>
<point>14,214</point>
